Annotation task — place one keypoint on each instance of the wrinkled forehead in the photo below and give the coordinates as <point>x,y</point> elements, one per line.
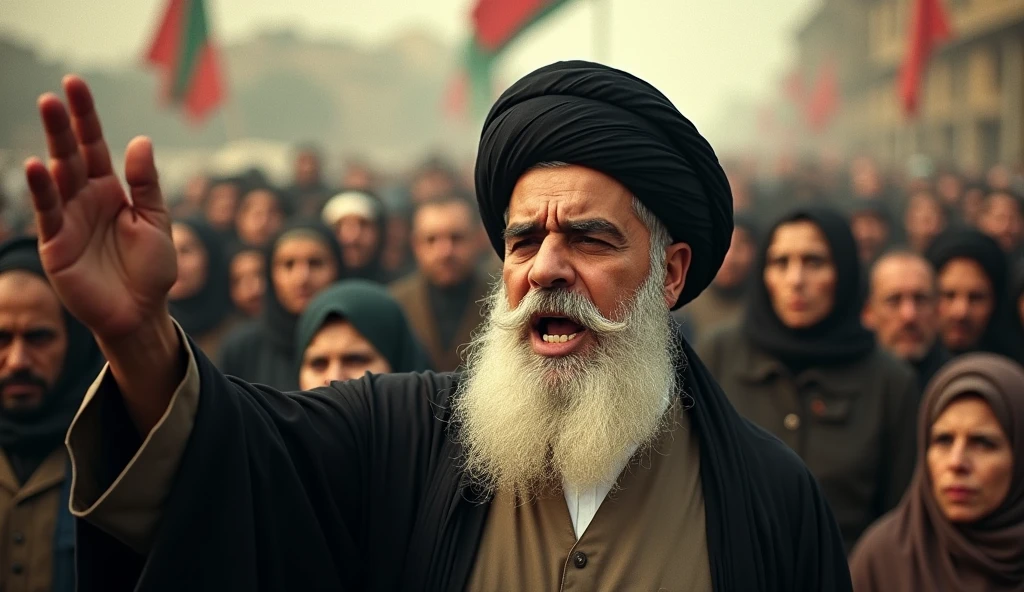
<point>550,196</point>
<point>28,297</point>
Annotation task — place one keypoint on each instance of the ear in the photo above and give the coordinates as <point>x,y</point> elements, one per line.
<point>677,264</point>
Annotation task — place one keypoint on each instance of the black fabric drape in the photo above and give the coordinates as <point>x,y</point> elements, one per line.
<point>357,487</point>
<point>837,338</point>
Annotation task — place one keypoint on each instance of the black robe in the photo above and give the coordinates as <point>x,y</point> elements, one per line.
<point>356,486</point>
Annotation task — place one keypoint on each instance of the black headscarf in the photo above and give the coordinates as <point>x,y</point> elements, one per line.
<point>839,337</point>
<point>374,314</point>
<point>611,121</point>
<point>999,337</point>
<point>207,308</point>
<point>32,436</point>
<point>279,322</point>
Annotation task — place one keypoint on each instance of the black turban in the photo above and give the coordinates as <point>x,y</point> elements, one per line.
<point>605,119</point>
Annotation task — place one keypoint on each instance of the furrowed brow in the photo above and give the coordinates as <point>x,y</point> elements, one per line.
<point>521,229</point>
<point>595,226</point>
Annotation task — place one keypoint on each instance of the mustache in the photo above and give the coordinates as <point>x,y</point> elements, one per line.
<point>559,302</point>
<point>23,377</point>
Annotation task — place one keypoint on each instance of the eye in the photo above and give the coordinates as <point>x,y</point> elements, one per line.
<point>522,244</point>
<point>942,440</point>
<point>319,364</point>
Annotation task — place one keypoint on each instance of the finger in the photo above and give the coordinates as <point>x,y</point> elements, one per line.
<point>45,199</point>
<point>66,162</point>
<point>140,173</point>
<point>86,124</point>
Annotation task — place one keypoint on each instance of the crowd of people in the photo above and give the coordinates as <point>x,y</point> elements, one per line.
<point>873,324</point>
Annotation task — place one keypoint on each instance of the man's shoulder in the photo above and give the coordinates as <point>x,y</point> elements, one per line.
<point>783,473</point>
<point>429,390</point>
<point>405,287</point>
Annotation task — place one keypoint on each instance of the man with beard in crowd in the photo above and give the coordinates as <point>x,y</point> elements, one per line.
<point>901,310</point>
<point>974,308</point>
<point>442,298</point>
<point>308,192</point>
<point>47,361</point>
<point>871,224</point>
<point>1002,218</point>
<point>576,387</point>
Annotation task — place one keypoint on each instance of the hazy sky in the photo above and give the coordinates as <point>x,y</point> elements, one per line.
<point>701,53</point>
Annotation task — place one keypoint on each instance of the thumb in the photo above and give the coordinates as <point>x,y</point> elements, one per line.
<point>140,173</point>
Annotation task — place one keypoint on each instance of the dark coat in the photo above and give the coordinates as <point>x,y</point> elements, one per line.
<point>357,486</point>
<point>854,425</point>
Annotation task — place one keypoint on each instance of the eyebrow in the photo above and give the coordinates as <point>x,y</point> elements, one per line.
<point>583,226</point>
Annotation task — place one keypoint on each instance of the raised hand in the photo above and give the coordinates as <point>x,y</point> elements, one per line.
<point>110,259</point>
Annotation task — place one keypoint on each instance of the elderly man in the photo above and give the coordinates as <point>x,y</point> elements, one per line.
<point>498,478</point>
<point>47,361</point>
<point>901,310</point>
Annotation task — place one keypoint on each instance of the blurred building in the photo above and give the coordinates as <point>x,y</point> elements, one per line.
<point>972,98</point>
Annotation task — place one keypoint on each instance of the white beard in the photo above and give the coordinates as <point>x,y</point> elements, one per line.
<point>528,422</point>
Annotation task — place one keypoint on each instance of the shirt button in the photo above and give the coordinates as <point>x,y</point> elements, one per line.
<point>579,559</point>
<point>19,538</point>
<point>17,569</point>
<point>792,422</point>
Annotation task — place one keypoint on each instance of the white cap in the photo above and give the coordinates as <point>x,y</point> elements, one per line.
<point>349,203</point>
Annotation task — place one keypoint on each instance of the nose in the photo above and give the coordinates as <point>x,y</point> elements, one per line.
<point>958,308</point>
<point>551,267</point>
<point>908,310</point>
<point>17,355</point>
<point>794,275</point>
<point>959,461</point>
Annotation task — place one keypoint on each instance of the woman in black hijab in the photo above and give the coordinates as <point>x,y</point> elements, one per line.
<point>303,259</point>
<point>200,298</point>
<point>801,366</point>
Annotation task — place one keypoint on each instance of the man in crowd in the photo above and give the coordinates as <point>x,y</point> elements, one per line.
<point>308,192</point>
<point>47,361</point>
<point>1002,218</point>
<point>723,302</point>
<point>974,311</point>
<point>901,310</point>
<point>442,298</point>
<point>358,220</point>
<point>871,224</point>
<point>492,479</point>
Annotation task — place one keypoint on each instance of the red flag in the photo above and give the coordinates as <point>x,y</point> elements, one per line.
<point>183,51</point>
<point>929,27</point>
<point>823,102</point>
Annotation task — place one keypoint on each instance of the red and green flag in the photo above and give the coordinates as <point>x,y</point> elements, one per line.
<point>183,51</point>
<point>496,25</point>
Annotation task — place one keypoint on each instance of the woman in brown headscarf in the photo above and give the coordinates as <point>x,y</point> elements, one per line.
<point>960,525</point>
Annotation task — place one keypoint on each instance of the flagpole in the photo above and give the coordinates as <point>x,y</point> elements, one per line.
<point>601,20</point>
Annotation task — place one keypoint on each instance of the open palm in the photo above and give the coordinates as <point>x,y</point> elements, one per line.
<point>110,260</point>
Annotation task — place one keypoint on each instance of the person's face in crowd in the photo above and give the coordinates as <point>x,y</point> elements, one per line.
<point>1001,219</point>
<point>33,341</point>
<point>969,461</point>
<point>358,176</point>
<point>360,238</point>
<point>430,185</point>
<point>339,352</point>
<point>259,217</point>
<point>195,189</point>
<point>247,285</point>
<point>966,302</point>
<point>972,206</point>
<point>192,262</point>
<point>739,259</point>
<point>901,308</point>
<point>871,234</point>
<point>444,242</point>
<point>221,205</point>
<point>865,178</point>
<point>999,177</point>
<point>800,275</point>
<point>949,188</point>
<point>301,267</point>
<point>307,169</point>
<point>924,220</point>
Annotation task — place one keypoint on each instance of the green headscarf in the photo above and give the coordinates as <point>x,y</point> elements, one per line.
<point>374,313</point>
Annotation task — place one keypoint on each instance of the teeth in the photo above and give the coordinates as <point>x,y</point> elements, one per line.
<point>558,338</point>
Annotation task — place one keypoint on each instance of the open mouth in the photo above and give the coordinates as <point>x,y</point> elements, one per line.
<point>556,329</point>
